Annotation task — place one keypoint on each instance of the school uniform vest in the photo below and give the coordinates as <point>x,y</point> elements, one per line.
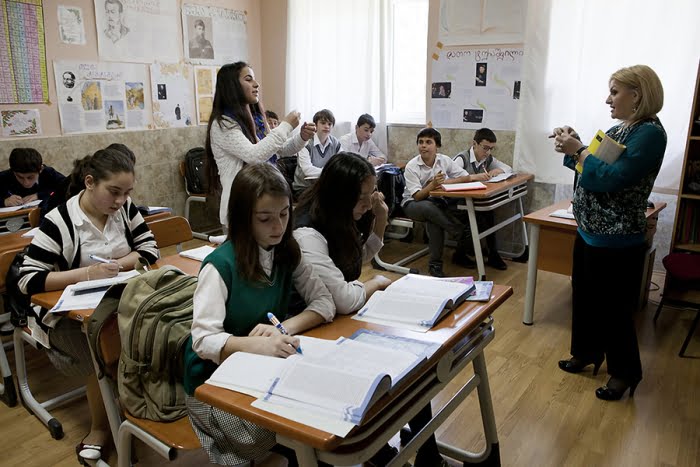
<point>247,305</point>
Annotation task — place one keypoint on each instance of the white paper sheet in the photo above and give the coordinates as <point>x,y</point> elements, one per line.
<point>89,293</point>
<point>198,254</point>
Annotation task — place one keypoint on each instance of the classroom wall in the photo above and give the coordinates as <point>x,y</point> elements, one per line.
<point>158,151</point>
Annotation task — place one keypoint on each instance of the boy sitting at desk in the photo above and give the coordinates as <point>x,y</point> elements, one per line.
<point>28,179</point>
<point>360,141</point>
<point>424,173</point>
<point>318,151</point>
<point>481,164</point>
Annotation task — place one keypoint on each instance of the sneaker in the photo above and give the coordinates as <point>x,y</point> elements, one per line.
<point>435,270</point>
<point>496,262</point>
<point>463,260</point>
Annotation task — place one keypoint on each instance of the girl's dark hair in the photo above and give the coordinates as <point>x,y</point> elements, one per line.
<point>330,203</point>
<point>229,100</point>
<point>101,166</point>
<point>250,184</point>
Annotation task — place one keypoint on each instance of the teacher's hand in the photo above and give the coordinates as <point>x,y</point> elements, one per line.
<point>307,131</point>
<point>566,143</point>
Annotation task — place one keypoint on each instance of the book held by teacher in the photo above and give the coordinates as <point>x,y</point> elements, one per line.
<point>604,148</point>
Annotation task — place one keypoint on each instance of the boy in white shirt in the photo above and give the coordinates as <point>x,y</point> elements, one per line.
<point>318,151</point>
<point>481,164</point>
<point>360,141</point>
<point>426,172</point>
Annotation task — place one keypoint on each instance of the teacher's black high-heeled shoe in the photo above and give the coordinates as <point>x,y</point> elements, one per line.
<point>615,389</point>
<point>574,365</point>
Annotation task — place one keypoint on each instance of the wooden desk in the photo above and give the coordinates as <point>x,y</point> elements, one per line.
<point>493,196</point>
<point>557,237</point>
<point>14,221</point>
<point>463,335</point>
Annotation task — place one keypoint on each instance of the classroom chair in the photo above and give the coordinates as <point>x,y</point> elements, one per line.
<point>192,198</point>
<point>34,217</point>
<point>173,230</point>
<point>154,217</point>
<point>682,289</point>
<point>164,438</point>
<point>401,229</point>
<point>8,394</point>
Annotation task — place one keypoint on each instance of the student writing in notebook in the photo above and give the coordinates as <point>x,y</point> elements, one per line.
<point>28,179</point>
<point>100,220</point>
<point>248,276</point>
<point>340,225</point>
<point>482,165</point>
<point>360,141</point>
<point>238,132</point>
<point>426,172</point>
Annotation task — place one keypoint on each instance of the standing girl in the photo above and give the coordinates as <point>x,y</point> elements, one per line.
<point>238,133</point>
<point>250,274</point>
<point>100,220</point>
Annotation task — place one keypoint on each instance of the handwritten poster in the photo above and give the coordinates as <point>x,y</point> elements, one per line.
<point>482,21</point>
<point>23,75</point>
<point>71,27</point>
<point>214,35</point>
<point>171,95</point>
<point>137,30</point>
<point>20,123</point>
<point>205,86</point>
<point>97,96</point>
<point>475,87</point>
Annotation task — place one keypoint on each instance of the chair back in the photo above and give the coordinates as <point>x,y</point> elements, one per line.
<point>6,258</point>
<point>34,217</point>
<point>170,231</point>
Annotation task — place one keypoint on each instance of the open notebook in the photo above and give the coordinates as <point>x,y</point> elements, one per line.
<point>331,386</point>
<point>30,204</point>
<point>414,302</point>
<point>87,294</point>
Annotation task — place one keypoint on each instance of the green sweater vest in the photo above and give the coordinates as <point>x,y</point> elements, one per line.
<point>246,306</point>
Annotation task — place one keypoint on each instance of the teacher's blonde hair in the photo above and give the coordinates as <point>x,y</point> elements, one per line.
<point>647,83</point>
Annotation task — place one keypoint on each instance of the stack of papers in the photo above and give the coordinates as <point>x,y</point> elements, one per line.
<point>564,213</point>
<point>198,254</point>
<point>463,186</point>
<point>88,294</point>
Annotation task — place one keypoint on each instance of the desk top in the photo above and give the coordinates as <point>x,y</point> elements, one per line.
<point>49,299</point>
<point>14,240</point>
<point>490,190</point>
<point>17,213</point>
<point>448,332</point>
<point>542,217</point>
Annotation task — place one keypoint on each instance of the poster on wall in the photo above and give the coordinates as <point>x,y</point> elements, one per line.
<point>204,86</point>
<point>137,30</point>
<point>476,87</point>
<point>71,27</point>
<point>96,96</point>
<point>171,95</point>
<point>23,73</point>
<point>214,35</point>
<point>20,123</point>
<point>482,21</point>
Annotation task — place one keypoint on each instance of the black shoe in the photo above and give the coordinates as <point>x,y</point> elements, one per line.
<point>615,389</point>
<point>435,270</point>
<point>385,454</point>
<point>461,259</point>
<point>496,262</point>
<point>574,365</point>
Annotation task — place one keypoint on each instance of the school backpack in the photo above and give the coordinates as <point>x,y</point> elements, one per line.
<point>391,183</point>
<point>17,304</point>
<point>195,175</point>
<point>154,316</point>
<point>288,165</point>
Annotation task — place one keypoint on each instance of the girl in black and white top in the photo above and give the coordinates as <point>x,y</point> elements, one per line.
<point>100,220</point>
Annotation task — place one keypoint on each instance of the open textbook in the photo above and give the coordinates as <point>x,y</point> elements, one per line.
<point>414,302</point>
<point>604,148</point>
<point>331,386</point>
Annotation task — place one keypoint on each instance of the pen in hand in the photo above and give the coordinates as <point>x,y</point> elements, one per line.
<point>100,259</point>
<point>276,323</point>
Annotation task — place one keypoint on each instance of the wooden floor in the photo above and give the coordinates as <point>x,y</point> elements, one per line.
<point>545,417</point>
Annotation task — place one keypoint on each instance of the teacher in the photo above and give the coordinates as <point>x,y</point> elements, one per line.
<point>609,204</point>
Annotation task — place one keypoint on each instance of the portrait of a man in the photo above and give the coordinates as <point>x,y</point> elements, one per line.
<point>199,46</point>
<point>114,13</point>
<point>68,79</point>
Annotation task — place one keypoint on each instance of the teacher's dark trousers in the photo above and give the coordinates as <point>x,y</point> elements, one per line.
<point>606,285</point>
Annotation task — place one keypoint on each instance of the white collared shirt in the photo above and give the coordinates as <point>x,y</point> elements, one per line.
<point>418,173</point>
<point>350,143</point>
<point>317,142</point>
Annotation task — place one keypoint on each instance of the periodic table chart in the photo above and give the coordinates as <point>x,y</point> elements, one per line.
<point>24,78</point>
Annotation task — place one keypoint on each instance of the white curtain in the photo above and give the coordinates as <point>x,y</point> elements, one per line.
<point>336,59</point>
<point>571,49</point>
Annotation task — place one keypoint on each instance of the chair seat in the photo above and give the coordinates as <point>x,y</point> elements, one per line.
<point>178,434</point>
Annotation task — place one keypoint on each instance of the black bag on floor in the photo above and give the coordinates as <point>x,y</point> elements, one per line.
<point>391,182</point>
<point>194,171</point>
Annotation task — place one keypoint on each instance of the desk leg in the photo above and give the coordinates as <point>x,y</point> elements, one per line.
<point>528,313</point>
<point>487,416</point>
<point>475,238</point>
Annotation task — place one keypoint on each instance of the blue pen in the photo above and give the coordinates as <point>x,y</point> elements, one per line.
<point>276,323</point>
<point>100,259</point>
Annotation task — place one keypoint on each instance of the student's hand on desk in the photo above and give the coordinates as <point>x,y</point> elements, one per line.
<point>277,345</point>
<point>102,270</point>
<point>30,198</point>
<point>494,172</point>
<point>264,330</point>
<point>437,181</point>
<point>381,281</point>
<point>13,200</point>
<point>308,130</point>
<point>480,177</point>
<point>293,118</point>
